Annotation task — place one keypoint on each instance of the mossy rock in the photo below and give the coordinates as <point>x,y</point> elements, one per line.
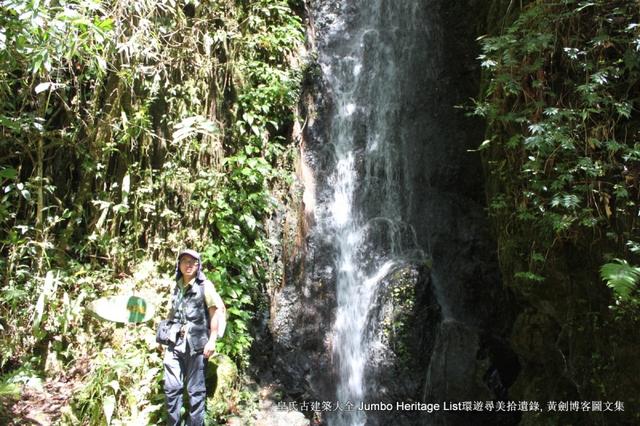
<point>221,374</point>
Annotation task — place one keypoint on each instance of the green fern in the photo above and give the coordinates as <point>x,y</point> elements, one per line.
<point>621,277</point>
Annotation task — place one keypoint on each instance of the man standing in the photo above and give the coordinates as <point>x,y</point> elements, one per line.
<point>201,313</point>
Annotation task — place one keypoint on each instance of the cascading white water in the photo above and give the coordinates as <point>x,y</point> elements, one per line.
<point>361,63</point>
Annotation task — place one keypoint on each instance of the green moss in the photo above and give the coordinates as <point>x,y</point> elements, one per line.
<point>398,321</point>
<point>222,377</point>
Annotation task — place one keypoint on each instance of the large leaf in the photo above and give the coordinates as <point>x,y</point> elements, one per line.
<point>621,277</point>
<point>48,289</point>
<point>123,308</point>
<point>109,406</point>
<point>191,126</point>
<point>9,389</point>
<point>8,173</point>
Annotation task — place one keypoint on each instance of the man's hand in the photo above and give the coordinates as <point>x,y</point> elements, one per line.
<point>210,348</point>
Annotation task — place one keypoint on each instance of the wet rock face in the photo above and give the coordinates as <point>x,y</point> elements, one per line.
<point>294,349</point>
<point>404,320</point>
<point>436,333</point>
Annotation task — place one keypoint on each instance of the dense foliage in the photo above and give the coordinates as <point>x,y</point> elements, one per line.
<point>561,101</point>
<point>562,106</point>
<point>130,130</point>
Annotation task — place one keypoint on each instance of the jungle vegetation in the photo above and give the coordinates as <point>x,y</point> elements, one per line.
<point>130,130</point>
<point>562,154</point>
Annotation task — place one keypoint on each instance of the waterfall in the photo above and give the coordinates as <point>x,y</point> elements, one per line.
<point>391,291</point>
<point>363,63</point>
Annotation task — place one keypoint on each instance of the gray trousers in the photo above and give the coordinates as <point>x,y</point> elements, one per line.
<point>180,368</point>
